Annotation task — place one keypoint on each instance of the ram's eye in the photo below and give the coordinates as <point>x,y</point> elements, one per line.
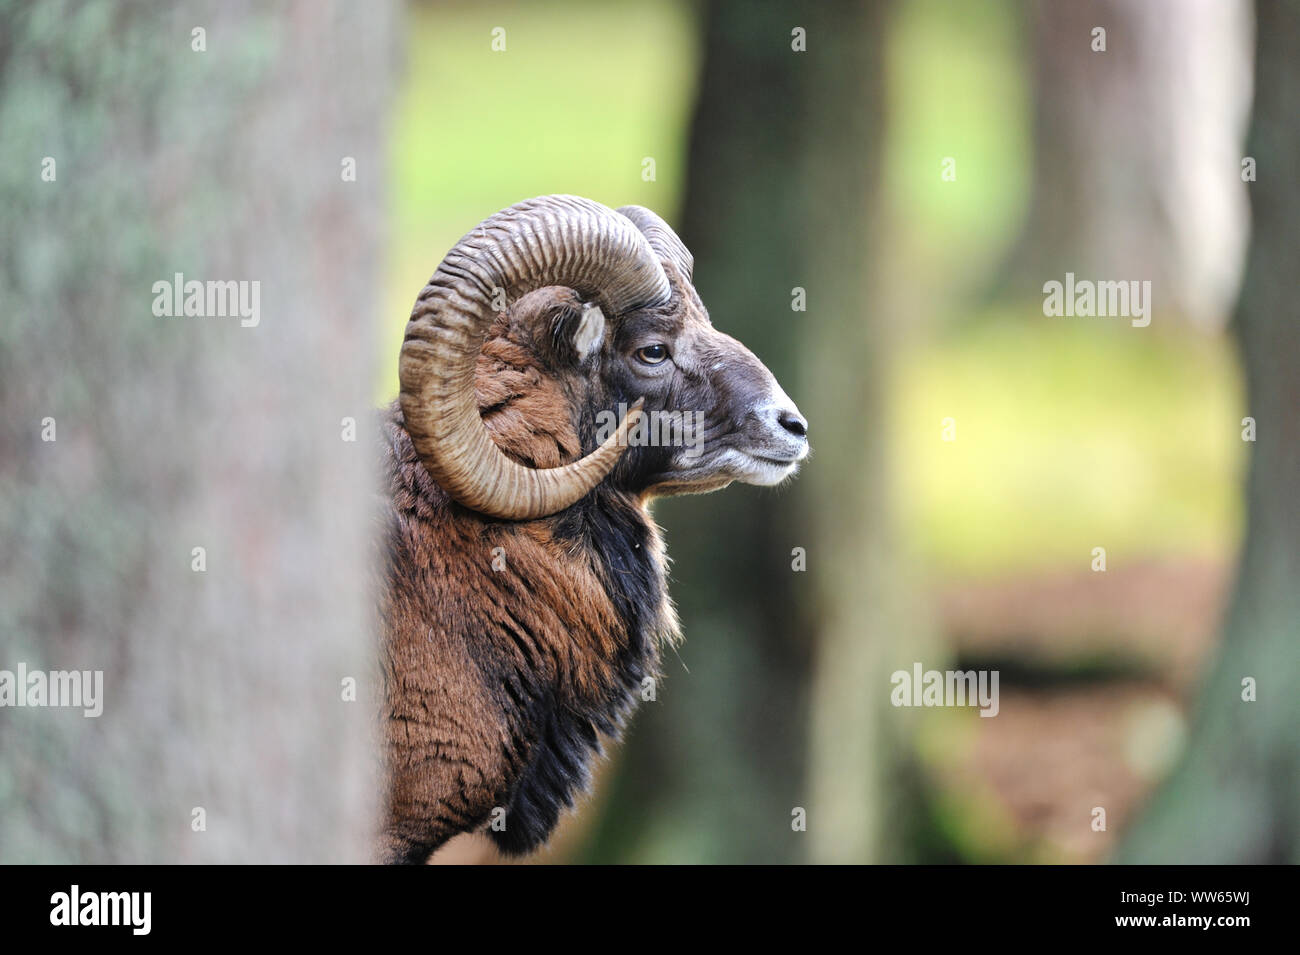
<point>652,354</point>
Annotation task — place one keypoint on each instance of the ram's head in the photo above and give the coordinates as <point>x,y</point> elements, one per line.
<point>604,301</point>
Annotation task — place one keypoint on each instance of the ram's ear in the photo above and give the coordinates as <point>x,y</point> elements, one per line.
<point>567,331</point>
<point>588,331</point>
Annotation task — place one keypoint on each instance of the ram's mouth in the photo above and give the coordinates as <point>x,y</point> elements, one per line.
<point>772,459</point>
<point>763,468</point>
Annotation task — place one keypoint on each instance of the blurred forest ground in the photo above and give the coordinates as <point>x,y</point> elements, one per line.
<point>1072,433</point>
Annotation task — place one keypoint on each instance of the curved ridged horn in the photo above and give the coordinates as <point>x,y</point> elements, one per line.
<point>662,238</point>
<point>551,240</point>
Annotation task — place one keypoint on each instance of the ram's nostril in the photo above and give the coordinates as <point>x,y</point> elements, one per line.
<point>793,422</point>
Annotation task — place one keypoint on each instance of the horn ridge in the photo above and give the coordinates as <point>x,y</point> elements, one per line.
<point>550,240</point>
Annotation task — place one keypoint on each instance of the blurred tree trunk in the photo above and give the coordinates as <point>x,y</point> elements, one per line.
<point>1235,798</point>
<point>222,683</point>
<point>1132,146</point>
<point>783,164</point>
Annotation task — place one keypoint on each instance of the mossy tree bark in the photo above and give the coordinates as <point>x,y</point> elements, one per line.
<point>137,148</point>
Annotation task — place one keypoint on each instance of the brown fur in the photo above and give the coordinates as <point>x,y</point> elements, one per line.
<point>454,751</point>
<point>512,648</point>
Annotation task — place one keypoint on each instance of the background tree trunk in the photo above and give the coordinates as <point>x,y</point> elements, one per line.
<point>222,689</point>
<point>1133,150</point>
<point>1236,796</point>
<point>774,712</point>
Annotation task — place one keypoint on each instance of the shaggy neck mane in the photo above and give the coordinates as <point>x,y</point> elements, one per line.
<point>568,612</point>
